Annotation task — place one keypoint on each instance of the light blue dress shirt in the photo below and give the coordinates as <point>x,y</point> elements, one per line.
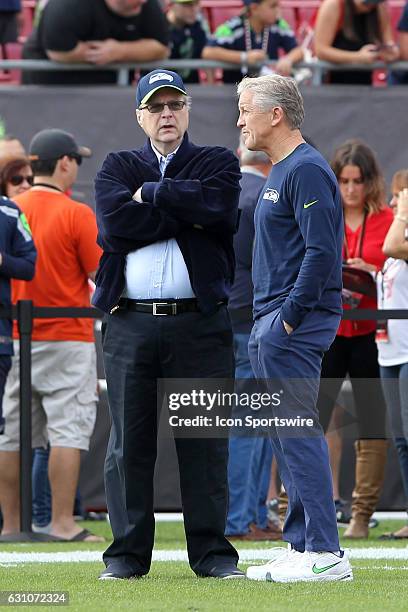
<point>157,270</point>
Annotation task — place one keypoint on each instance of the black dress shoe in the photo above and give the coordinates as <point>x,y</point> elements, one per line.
<point>120,571</point>
<point>225,572</point>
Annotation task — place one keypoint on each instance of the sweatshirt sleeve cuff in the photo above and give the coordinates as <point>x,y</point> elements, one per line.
<point>6,269</point>
<point>292,314</point>
<point>149,191</point>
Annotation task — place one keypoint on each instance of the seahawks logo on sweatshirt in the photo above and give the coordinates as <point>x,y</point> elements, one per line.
<point>271,194</point>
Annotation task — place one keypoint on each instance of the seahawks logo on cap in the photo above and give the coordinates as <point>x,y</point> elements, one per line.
<point>271,194</point>
<point>160,76</point>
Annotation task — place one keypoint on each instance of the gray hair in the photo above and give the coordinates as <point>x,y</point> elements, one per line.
<point>276,90</point>
<point>251,158</point>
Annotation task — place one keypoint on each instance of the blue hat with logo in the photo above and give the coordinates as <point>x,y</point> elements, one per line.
<point>155,80</point>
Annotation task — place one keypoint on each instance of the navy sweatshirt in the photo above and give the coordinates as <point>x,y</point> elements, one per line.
<point>298,239</point>
<point>241,298</point>
<point>18,261</point>
<point>196,203</point>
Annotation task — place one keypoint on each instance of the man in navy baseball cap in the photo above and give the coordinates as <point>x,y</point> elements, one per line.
<point>155,80</point>
<point>174,240</point>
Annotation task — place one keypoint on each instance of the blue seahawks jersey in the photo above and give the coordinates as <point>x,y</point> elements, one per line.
<point>18,259</point>
<point>231,35</point>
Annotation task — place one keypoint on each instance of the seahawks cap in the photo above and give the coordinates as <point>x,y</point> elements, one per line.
<point>155,80</point>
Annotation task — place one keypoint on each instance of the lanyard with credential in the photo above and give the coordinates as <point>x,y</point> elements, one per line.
<point>248,41</point>
<point>360,241</point>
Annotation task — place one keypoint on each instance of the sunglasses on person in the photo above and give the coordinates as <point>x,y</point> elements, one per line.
<point>158,107</point>
<point>18,179</point>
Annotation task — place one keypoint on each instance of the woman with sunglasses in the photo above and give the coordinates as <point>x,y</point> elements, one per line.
<point>354,32</point>
<point>16,177</point>
<point>392,339</point>
<point>354,351</point>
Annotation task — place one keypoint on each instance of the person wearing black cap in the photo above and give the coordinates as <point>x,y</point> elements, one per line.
<point>188,34</point>
<point>63,350</point>
<point>166,215</point>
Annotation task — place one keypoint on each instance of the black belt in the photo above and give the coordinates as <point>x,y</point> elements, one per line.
<point>159,308</point>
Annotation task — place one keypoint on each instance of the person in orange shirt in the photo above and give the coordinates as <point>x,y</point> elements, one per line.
<point>63,350</point>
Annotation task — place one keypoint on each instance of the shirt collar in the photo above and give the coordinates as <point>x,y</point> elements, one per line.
<point>159,155</point>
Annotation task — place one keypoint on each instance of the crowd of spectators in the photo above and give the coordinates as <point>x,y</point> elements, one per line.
<point>102,32</point>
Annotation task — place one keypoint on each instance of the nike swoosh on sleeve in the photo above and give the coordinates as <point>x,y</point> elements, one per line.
<point>310,203</point>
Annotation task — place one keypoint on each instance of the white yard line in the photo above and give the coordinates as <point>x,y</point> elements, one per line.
<point>249,554</point>
<point>164,517</point>
<point>390,516</point>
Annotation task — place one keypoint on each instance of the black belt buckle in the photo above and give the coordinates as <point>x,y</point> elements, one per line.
<point>164,314</point>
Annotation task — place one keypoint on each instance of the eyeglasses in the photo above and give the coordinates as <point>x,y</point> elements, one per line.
<point>18,179</point>
<point>173,105</point>
<point>77,158</point>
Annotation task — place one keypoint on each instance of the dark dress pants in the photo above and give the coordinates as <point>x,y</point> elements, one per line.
<point>138,349</point>
<point>358,357</point>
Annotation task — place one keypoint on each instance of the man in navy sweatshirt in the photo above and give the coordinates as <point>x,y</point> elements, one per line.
<point>166,217</point>
<point>17,260</point>
<point>297,310</point>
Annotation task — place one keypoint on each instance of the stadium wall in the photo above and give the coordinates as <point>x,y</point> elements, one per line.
<point>103,118</point>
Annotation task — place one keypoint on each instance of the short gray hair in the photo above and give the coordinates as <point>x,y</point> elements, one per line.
<point>251,158</point>
<point>276,90</point>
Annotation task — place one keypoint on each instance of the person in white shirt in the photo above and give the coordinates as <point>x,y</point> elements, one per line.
<point>392,335</point>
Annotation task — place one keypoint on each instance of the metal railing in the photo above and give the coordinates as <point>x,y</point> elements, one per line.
<point>317,67</point>
<point>25,312</point>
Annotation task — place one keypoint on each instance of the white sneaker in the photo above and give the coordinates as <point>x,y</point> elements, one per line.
<point>37,529</point>
<point>279,556</point>
<point>311,567</point>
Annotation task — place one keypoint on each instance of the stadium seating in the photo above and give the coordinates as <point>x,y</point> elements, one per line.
<point>296,12</point>
<point>300,14</point>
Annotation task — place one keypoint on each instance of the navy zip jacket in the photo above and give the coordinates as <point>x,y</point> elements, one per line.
<point>18,261</point>
<point>196,203</point>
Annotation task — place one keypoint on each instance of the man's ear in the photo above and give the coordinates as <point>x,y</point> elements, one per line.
<point>139,117</point>
<point>63,163</point>
<point>277,115</point>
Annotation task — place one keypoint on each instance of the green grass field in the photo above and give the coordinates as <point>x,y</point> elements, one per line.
<point>379,584</point>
